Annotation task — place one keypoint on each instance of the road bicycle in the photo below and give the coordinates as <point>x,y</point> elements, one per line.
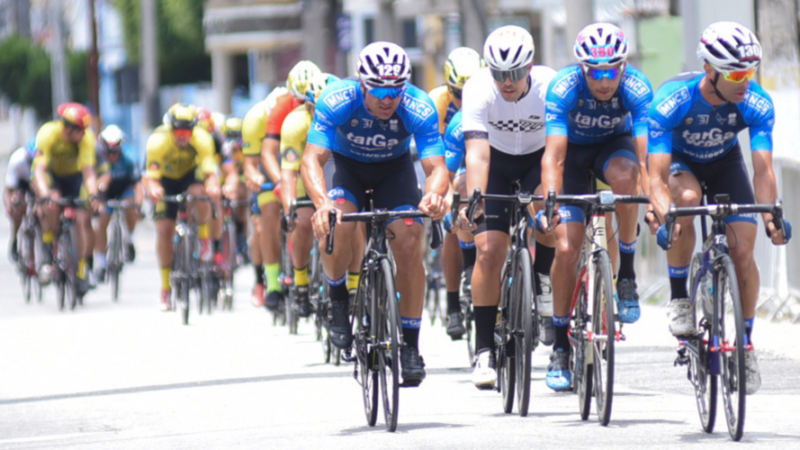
<point>465,293</point>
<point>595,326</point>
<point>515,334</point>
<point>115,251</point>
<point>29,238</point>
<point>224,273</point>
<point>65,254</point>
<point>715,353</point>
<point>434,282</point>
<point>377,333</point>
<point>188,270</point>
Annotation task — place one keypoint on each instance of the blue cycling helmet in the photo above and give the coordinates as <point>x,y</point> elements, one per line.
<point>30,148</point>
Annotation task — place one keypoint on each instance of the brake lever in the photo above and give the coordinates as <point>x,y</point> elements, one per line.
<point>670,219</point>
<point>473,206</point>
<point>550,207</point>
<point>332,222</point>
<point>436,235</point>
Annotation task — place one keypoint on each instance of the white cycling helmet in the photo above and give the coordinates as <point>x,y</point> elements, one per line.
<point>601,44</point>
<point>384,64</point>
<point>508,48</point>
<point>729,47</point>
<point>461,64</point>
<point>299,77</point>
<point>112,135</point>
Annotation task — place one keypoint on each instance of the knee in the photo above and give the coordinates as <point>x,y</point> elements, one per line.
<point>742,256</point>
<point>490,257</point>
<point>406,247</point>
<point>568,252</point>
<point>623,180</point>
<point>687,197</point>
<point>196,190</point>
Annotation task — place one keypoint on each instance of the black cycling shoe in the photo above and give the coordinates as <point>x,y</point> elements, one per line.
<point>413,366</point>
<point>101,275</point>
<point>304,308</point>
<point>130,253</point>
<point>455,325</point>
<point>274,299</point>
<point>81,287</point>
<point>340,333</point>
<point>13,251</point>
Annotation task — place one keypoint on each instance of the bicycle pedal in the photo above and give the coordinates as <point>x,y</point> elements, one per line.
<point>410,384</point>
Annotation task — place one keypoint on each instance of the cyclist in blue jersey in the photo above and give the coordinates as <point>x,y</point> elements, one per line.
<point>359,140</point>
<point>694,122</point>
<point>121,179</point>
<point>596,124</point>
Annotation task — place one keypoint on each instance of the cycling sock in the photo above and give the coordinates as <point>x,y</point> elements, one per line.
<point>48,237</point>
<point>165,278</point>
<point>217,245</point>
<point>259,273</point>
<point>338,289</point>
<point>411,331</point>
<point>544,259</point>
<point>272,271</point>
<point>82,268</point>
<point>626,254</point>
<point>352,280</point>
<point>748,328</point>
<point>129,237</point>
<point>301,276</point>
<point>239,227</point>
<point>677,281</point>
<point>101,259</point>
<point>90,262</point>
<point>453,305</point>
<point>469,252</point>
<point>485,318</point>
<point>561,325</point>
<point>202,231</point>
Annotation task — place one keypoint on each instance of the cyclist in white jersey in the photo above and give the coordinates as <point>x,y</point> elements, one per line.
<point>503,122</point>
<point>18,177</point>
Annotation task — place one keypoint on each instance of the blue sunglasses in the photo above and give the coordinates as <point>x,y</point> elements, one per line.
<point>599,74</point>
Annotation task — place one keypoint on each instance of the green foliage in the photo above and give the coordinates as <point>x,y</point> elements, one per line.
<point>25,75</point>
<point>181,47</point>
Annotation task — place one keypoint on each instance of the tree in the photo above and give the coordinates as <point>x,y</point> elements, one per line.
<point>182,57</point>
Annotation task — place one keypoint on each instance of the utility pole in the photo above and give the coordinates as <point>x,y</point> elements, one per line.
<point>59,74</point>
<point>148,68</point>
<point>580,13</point>
<point>473,24</point>
<point>92,71</point>
<point>385,25</point>
<point>316,36</point>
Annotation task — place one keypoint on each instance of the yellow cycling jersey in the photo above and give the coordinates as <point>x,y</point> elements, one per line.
<point>293,142</point>
<point>63,158</point>
<point>443,100</point>
<point>166,160</point>
<point>254,128</point>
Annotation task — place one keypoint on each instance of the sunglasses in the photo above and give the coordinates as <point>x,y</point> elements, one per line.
<point>385,92</point>
<point>599,74</point>
<point>74,128</point>
<point>182,133</point>
<point>456,93</point>
<point>739,76</point>
<point>515,74</point>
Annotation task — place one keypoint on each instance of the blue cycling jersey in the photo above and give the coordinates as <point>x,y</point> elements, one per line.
<point>682,121</point>
<point>454,147</point>
<point>573,111</point>
<point>124,170</point>
<point>343,125</point>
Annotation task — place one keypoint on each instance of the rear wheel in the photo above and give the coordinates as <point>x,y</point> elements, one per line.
<point>115,261</point>
<point>522,318</point>
<point>705,384</point>
<point>506,369</point>
<point>732,336</point>
<point>389,339</point>
<point>366,357</point>
<point>582,353</point>
<point>603,337</point>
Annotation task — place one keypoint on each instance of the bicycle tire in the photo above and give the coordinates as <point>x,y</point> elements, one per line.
<point>733,376</point>
<point>388,334</point>
<point>583,368</point>
<point>182,252</point>
<point>115,262</point>
<point>506,372</point>
<point>27,258</point>
<point>466,310</point>
<point>522,309</point>
<point>365,356</point>
<point>603,350</point>
<point>705,384</point>
<point>292,317</point>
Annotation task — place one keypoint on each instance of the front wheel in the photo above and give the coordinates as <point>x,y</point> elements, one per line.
<point>603,337</point>
<point>582,351</point>
<point>390,340</point>
<point>728,308</point>
<point>365,353</point>
<point>506,368</point>
<point>522,329</point>
<point>705,384</point>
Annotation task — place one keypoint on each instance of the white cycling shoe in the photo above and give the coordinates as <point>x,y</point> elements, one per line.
<point>484,375</point>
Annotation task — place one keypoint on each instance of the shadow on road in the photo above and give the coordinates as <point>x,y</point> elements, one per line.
<point>401,428</point>
<point>168,387</point>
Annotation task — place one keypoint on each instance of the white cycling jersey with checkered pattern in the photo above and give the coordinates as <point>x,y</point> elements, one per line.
<point>516,128</point>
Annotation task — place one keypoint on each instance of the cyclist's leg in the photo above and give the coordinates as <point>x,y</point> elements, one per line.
<point>270,221</point>
<point>354,269</point>
<point>15,213</point>
<point>302,240</point>
<point>612,242</point>
<point>201,213</point>
<point>165,215</point>
<point>257,298</point>
<point>101,243</point>
<point>685,191</point>
<point>240,218</point>
<point>618,165</point>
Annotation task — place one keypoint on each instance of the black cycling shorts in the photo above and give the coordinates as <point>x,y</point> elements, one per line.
<point>393,182</point>
<point>172,186</point>
<point>69,186</point>
<point>727,175</point>
<point>504,170</point>
<point>584,160</point>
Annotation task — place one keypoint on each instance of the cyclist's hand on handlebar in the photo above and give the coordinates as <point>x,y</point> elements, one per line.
<point>434,205</point>
<point>541,224</point>
<point>463,220</point>
<point>778,237</point>
<point>255,181</point>
<point>651,219</point>
<point>662,235</point>
<point>320,220</point>
<point>156,192</point>
<point>229,191</point>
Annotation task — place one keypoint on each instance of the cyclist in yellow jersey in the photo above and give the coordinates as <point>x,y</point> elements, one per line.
<point>458,252</point>
<point>180,158</point>
<point>232,171</point>
<point>261,134</point>
<point>64,161</point>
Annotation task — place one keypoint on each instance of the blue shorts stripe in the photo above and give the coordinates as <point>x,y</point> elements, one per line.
<point>570,213</point>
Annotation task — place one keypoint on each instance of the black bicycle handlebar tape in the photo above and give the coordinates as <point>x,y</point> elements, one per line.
<point>645,199</point>
<point>436,235</point>
<point>670,219</point>
<point>777,217</point>
<point>550,207</point>
<point>473,206</point>
<point>332,221</point>
<point>454,207</point>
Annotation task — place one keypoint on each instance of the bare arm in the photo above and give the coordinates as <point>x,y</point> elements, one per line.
<point>89,179</point>
<point>270,151</point>
<point>660,196</point>
<point>640,144</point>
<point>478,157</point>
<point>314,160</point>
<point>436,186</point>
<point>766,188</point>
<point>40,179</point>
<point>288,187</point>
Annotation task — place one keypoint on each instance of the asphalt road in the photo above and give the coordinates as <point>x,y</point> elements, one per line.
<point>128,376</point>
